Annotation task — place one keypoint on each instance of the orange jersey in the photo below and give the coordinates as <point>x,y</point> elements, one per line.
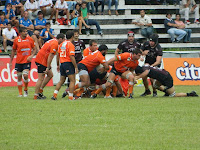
<point>87,52</point>
<point>125,62</point>
<point>93,60</point>
<point>50,46</point>
<point>66,49</point>
<point>23,48</point>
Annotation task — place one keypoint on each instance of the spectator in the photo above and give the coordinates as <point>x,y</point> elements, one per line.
<point>85,16</point>
<point>181,25</point>
<point>46,34</point>
<point>97,3</point>
<point>172,30</point>
<point>10,15</point>
<point>40,22</point>
<point>32,7</point>
<point>26,23</point>
<point>9,35</point>
<point>62,9</point>
<point>78,19</point>
<point>145,24</point>
<point>92,7</point>
<point>47,8</point>
<point>71,3</point>
<point>111,2</point>
<point>189,7</point>
<point>17,7</point>
<point>3,21</point>
<point>149,3</point>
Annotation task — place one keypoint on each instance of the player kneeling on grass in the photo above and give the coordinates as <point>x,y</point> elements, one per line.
<point>43,61</point>
<point>164,81</point>
<point>88,64</point>
<point>68,67</point>
<point>123,65</point>
<point>23,45</point>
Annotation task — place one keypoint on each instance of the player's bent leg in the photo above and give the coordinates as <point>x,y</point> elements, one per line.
<point>71,86</point>
<point>146,85</point>
<point>58,86</point>
<point>128,75</point>
<point>19,83</point>
<point>38,85</point>
<point>26,80</point>
<point>154,89</point>
<point>109,82</point>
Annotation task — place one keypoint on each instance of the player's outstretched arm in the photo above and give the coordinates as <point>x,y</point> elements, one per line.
<point>142,75</point>
<point>11,58</point>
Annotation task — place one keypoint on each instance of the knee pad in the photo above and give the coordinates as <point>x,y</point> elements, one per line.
<point>127,76</point>
<point>26,81</point>
<point>19,82</point>
<point>83,72</point>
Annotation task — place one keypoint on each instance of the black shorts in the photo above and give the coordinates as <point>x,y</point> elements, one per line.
<point>95,75</point>
<point>9,43</point>
<point>61,13</point>
<point>113,70</point>
<point>40,67</point>
<point>67,68</point>
<point>82,67</point>
<point>21,67</point>
<point>167,81</point>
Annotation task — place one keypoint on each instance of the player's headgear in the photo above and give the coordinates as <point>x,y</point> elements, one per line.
<point>130,33</point>
<point>154,38</point>
<point>138,70</point>
<point>103,47</point>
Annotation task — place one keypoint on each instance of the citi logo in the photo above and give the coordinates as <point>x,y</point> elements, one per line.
<point>188,72</point>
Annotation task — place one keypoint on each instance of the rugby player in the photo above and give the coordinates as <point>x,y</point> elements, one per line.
<point>92,47</point>
<point>163,82</point>
<point>123,65</point>
<point>153,52</point>
<point>43,61</point>
<point>128,45</point>
<point>68,67</point>
<point>23,46</point>
<point>88,64</point>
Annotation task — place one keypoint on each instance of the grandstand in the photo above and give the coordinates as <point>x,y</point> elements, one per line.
<point>115,28</point>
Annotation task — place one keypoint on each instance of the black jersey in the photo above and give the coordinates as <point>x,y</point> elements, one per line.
<point>125,46</point>
<point>79,46</point>
<point>153,52</point>
<point>154,72</point>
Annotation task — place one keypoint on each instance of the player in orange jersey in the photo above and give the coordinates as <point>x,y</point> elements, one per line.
<point>43,61</point>
<point>68,67</point>
<point>123,65</point>
<point>92,47</point>
<point>89,63</point>
<point>23,46</point>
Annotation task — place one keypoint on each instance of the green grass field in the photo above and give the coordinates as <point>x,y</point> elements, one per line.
<point>140,123</point>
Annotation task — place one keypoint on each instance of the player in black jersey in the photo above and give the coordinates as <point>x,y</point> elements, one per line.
<point>128,45</point>
<point>163,82</point>
<point>79,47</point>
<point>153,52</point>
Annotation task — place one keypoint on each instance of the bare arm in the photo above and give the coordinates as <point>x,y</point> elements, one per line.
<point>117,51</point>
<point>58,61</point>
<point>144,74</point>
<point>11,57</point>
<point>158,61</point>
<point>106,66</point>
<point>49,60</point>
<point>31,27</point>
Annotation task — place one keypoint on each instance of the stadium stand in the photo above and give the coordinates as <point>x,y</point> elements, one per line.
<point>116,27</point>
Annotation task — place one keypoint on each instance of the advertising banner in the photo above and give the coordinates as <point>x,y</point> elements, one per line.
<point>9,77</point>
<point>185,71</point>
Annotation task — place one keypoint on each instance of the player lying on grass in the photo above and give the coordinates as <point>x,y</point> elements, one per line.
<point>163,82</point>
<point>123,65</point>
